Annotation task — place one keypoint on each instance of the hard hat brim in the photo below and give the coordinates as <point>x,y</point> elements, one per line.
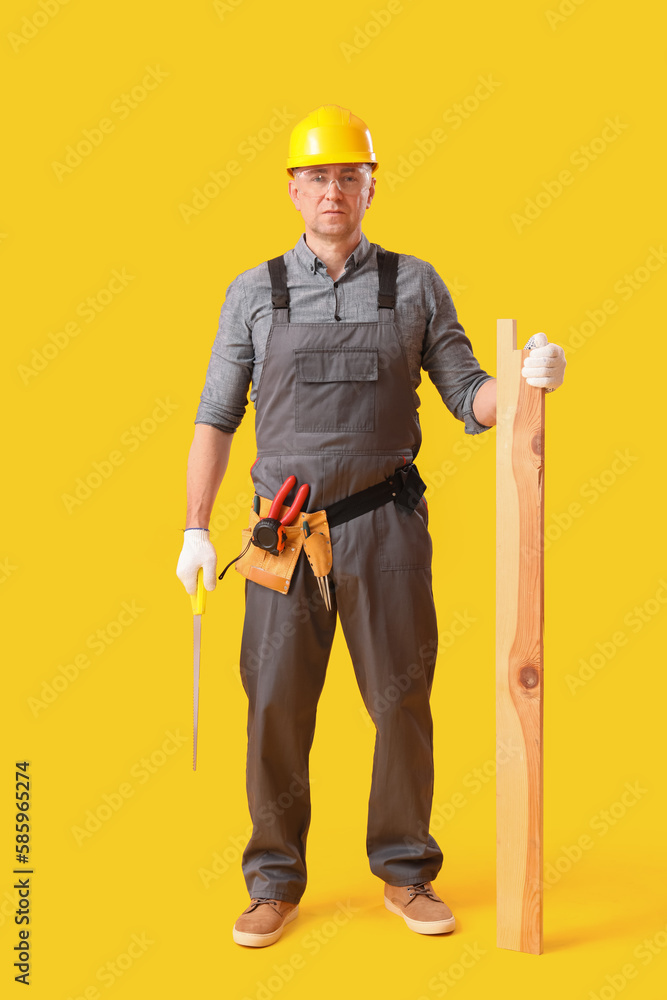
<point>319,159</point>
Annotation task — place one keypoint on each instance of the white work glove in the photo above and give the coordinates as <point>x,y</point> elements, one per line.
<point>545,365</point>
<point>197,551</point>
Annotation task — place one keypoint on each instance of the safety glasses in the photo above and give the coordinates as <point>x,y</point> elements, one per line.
<point>315,182</point>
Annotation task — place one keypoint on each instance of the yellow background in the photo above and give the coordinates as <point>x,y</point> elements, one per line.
<point>221,75</point>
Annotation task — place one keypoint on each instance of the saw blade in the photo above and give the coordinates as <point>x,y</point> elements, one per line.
<point>196,641</point>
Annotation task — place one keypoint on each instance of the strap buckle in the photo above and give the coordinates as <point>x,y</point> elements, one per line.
<point>412,489</point>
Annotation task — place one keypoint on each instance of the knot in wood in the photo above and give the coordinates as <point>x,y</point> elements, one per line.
<point>536,444</point>
<point>529,677</point>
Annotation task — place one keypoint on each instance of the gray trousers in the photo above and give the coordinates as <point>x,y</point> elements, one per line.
<point>381,589</point>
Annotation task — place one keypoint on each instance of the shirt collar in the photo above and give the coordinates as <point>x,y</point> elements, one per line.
<point>312,262</point>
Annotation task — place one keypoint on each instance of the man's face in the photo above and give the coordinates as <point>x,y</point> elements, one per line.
<point>326,210</point>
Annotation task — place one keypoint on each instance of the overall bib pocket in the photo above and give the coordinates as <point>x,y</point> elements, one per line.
<point>335,389</point>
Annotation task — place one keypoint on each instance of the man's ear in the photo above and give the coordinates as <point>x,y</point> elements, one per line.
<point>294,195</point>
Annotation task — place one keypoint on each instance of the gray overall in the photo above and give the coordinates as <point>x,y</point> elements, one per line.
<point>335,408</point>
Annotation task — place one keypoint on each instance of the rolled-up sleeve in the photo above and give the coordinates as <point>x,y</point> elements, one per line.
<point>448,357</point>
<point>229,374</point>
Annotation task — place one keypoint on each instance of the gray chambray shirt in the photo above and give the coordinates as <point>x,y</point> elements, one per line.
<point>425,318</point>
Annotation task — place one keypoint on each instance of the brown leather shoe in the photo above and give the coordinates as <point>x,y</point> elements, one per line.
<point>421,908</point>
<point>263,921</point>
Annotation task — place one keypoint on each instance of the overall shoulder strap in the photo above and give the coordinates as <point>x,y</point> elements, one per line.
<point>387,271</point>
<point>278,275</point>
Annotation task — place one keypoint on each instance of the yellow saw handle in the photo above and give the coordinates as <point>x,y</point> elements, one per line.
<point>199,599</point>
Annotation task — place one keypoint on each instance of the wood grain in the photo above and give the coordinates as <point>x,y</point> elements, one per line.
<point>519,649</point>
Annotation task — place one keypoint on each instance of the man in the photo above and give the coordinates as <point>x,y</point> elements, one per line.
<point>333,335</point>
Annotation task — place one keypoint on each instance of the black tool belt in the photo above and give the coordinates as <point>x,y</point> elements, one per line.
<point>405,487</point>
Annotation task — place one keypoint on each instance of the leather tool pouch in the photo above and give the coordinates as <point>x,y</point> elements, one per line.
<point>412,490</point>
<point>276,572</point>
<point>317,545</point>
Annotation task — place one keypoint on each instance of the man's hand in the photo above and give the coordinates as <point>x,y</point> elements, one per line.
<point>545,365</point>
<point>197,552</point>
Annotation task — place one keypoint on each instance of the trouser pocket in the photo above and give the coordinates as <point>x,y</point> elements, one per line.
<point>402,537</point>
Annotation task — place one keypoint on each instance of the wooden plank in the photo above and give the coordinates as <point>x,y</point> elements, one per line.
<point>519,648</point>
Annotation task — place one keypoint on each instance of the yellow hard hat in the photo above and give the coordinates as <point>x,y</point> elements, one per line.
<point>330,134</point>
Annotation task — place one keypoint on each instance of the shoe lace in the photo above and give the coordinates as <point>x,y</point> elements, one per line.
<point>258,900</point>
<point>422,889</point>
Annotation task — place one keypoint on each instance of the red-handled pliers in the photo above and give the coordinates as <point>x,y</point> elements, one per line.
<point>299,500</point>
<point>269,532</point>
